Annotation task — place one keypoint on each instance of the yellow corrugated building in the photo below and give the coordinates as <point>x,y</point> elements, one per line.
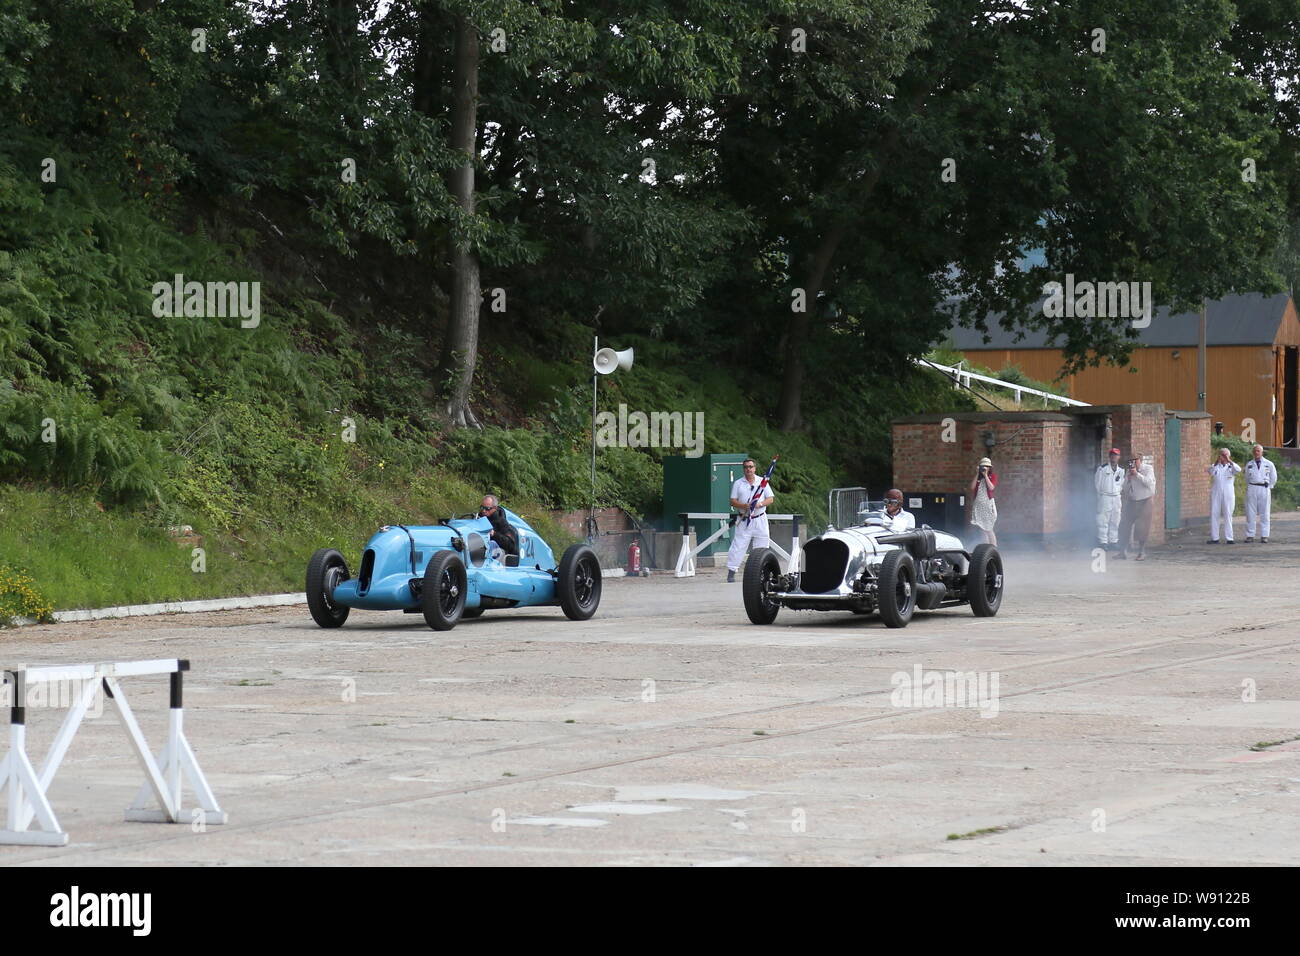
<point>1252,364</point>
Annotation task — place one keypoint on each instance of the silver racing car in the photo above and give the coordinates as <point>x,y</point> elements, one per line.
<point>869,567</point>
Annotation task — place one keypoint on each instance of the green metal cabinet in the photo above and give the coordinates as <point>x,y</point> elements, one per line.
<point>700,484</point>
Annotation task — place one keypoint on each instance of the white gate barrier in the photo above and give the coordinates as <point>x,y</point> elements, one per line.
<point>27,789</point>
<point>686,557</point>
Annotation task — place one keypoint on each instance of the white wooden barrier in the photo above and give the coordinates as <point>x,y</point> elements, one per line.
<point>27,790</point>
<point>686,557</point>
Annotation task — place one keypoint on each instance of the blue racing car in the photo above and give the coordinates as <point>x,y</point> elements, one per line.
<point>453,570</point>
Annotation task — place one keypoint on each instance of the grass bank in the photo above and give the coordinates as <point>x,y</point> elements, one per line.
<point>75,555</point>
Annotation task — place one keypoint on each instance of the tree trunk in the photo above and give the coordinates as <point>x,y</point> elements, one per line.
<point>788,406</point>
<point>788,409</point>
<point>460,349</point>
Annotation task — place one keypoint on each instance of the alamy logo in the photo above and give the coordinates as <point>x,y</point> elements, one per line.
<point>56,694</point>
<point>1100,300</point>
<point>941,689</point>
<point>103,909</point>
<point>208,300</point>
<point>656,430</point>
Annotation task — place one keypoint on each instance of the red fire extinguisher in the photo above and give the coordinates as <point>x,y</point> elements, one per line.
<point>634,558</point>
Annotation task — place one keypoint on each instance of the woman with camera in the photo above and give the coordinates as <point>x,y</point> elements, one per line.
<point>984,510</point>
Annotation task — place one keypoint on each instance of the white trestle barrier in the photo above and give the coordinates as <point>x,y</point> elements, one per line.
<point>686,557</point>
<point>159,800</point>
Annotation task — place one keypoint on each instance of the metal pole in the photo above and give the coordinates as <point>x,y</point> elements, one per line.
<point>1200,363</point>
<point>595,384</point>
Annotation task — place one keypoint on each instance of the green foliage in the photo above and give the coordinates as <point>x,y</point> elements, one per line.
<point>21,36</point>
<point>141,563</point>
<point>225,164</point>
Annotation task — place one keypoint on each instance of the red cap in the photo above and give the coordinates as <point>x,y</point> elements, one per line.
<point>1114,451</point>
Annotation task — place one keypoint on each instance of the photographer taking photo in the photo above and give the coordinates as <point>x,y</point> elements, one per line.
<point>1138,492</point>
<point>984,510</point>
<point>1223,495</point>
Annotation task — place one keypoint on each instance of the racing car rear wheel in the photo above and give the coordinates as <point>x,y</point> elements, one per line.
<point>897,588</point>
<point>578,585</point>
<point>984,582</point>
<point>761,572</point>
<point>325,571</point>
<point>443,594</point>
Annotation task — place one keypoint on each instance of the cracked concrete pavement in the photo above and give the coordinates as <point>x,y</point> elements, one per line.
<point>669,730</point>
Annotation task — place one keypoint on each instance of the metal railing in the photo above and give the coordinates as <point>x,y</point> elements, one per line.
<point>963,377</point>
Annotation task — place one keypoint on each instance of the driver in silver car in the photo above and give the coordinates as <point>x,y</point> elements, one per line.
<point>897,519</point>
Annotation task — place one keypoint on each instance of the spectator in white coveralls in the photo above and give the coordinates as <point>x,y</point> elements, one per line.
<point>1138,493</point>
<point>1223,495</point>
<point>1109,482</point>
<point>1261,476</point>
<point>755,529</point>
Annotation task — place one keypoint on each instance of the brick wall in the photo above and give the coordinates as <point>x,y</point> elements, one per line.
<point>1197,427</point>
<point>1028,459</point>
<point>1045,463</point>
<point>1140,430</point>
<point>575,522</point>
<point>1057,483</point>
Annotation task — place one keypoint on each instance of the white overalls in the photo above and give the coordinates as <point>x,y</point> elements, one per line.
<point>1261,476</point>
<point>754,530</point>
<point>1223,498</point>
<point>1108,481</point>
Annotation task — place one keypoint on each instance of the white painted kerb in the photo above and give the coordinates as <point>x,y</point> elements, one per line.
<point>195,607</point>
<point>175,607</point>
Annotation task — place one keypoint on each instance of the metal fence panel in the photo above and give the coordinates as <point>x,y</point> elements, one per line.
<point>843,504</point>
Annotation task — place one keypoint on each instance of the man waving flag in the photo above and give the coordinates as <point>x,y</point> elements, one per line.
<point>760,491</point>
<point>751,495</point>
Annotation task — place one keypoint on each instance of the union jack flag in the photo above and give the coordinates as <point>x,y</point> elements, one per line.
<point>762,486</point>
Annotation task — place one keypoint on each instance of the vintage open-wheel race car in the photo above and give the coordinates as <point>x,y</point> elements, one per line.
<point>870,568</point>
<point>452,571</point>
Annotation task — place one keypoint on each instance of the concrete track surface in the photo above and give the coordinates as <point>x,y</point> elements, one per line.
<point>669,730</point>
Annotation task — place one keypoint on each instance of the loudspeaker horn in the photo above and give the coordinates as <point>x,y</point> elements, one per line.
<point>607,360</point>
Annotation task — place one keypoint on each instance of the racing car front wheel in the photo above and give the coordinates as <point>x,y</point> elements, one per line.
<point>984,581</point>
<point>761,573</point>
<point>896,593</point>
<point>325,571</point>
<point>443,593</point>
<point>578,584</point>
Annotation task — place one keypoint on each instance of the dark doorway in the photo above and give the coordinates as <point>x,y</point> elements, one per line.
<point>1290,373</point>
<point>1088,446</point>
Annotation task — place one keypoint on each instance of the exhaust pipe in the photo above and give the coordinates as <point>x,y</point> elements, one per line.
<point>929,595</point>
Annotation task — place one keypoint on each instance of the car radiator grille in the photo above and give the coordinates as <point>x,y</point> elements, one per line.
<point>824,564</point>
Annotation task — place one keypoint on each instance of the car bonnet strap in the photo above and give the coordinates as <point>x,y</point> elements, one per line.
<point>410,538</point>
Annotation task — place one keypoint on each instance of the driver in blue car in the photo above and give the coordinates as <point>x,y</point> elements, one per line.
<point>505,537</point>
<point>898,519</point>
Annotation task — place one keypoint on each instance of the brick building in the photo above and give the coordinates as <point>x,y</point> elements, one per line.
<point>1045,463</point>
